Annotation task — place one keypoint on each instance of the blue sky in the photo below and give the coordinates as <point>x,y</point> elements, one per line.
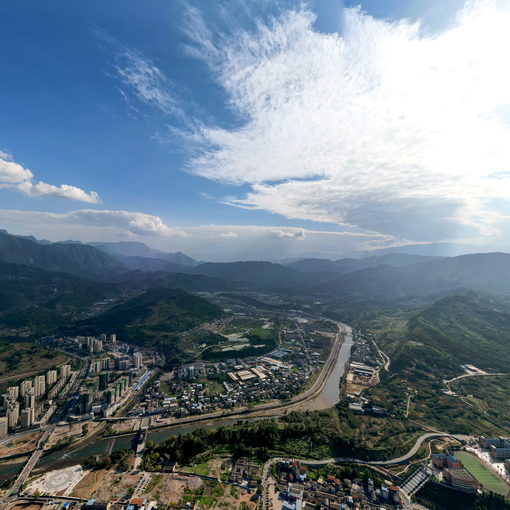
<point>253,129</point>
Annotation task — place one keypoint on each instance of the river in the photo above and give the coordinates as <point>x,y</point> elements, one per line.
<point>328,397</point>
<point>330,393</point>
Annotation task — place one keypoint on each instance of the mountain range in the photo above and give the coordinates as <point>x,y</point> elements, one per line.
<point>389,276</point>
<point>43,282</point>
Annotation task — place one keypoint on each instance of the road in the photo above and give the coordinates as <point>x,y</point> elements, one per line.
<point>28,374</point>
<point>36,454</point>
<point>27,469</point>
<point>342,460</point>
<point>385,358</point>
<point>261,409</point>
<point>477,374</point>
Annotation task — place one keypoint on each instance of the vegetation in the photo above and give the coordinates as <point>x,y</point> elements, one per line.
<point>74,258</point>
<point>154,318</point>
<point>118,459</point>
<point>439,497</point>
<point>430,346</point>
<point>298,434</point>
<point>37,302</point>
<point>20,358</point>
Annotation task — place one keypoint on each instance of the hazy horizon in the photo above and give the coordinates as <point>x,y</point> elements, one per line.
<point>258,129</point>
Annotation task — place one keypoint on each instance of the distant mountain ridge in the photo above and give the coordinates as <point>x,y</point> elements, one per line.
<point>350,265</point>
<point>78,259</point>
<point>139,250</point>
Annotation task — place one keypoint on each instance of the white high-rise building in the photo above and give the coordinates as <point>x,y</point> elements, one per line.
<point>138,360</point>
<point>40,386</point>
<point>25,387</point>
<point>4,426</point>
<point>113,338</point>
<point>13,392</point>
<point>51,377</point>
<point>12,415</point>
<point>65,371</point>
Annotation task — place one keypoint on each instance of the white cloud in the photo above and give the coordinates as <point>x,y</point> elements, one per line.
<point>381,128</point>
<point>96,221</point>
<point>141,78</point>
<point>12,172</point>
<point>250,242</point>
<point>225,235</point>
<point>288,234</point>
<point>146,80</point>
<point>205,242</point>
<point>14,176</point>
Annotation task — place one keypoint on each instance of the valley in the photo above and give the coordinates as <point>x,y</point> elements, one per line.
<point>253,361</point>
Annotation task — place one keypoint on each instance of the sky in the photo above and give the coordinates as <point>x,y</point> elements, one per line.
<point>258,129</point>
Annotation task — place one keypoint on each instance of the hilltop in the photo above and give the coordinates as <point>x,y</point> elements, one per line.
<point>153,318</point>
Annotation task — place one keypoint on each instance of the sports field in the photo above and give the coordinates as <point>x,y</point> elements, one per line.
<point>482,473</point>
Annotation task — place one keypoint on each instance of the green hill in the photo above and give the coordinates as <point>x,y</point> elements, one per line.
<point>154,318</point>
<point>431,346</point>
<point>467,329</point>
<point>40,301</point>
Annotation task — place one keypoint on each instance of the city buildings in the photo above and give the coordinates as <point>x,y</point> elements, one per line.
<point>460,479</point>
<point>65,371</point>
<point>51,377</point>
<point>4,426</point>
<point>499,448</point>
<point>40,386</point>
<point>24,403</point>
<point>12,414</point>
<point>138,360</point>
<point>441,460</point>
<point>25,387</point>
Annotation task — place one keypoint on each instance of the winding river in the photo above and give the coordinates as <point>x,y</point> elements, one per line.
<point>328,396</point>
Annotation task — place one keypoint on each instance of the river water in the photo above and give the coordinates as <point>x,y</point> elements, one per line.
<point>330,393</point>
<point>328,397</point>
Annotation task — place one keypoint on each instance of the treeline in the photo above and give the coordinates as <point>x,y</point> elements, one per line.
<point>439,497</point>
<point>118,459</point>
<point>303,434</point>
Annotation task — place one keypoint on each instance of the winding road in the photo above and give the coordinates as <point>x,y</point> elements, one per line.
<point>343,460</point>
<point>477,374</point>
<point>384,357</point>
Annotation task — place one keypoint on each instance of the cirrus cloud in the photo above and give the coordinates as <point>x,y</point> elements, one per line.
<point>381,128</point>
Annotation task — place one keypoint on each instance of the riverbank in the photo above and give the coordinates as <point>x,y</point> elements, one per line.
<point>323,394</point>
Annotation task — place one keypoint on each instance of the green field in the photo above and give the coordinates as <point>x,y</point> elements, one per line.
<point>483,474</point>
<point>262,333</point>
